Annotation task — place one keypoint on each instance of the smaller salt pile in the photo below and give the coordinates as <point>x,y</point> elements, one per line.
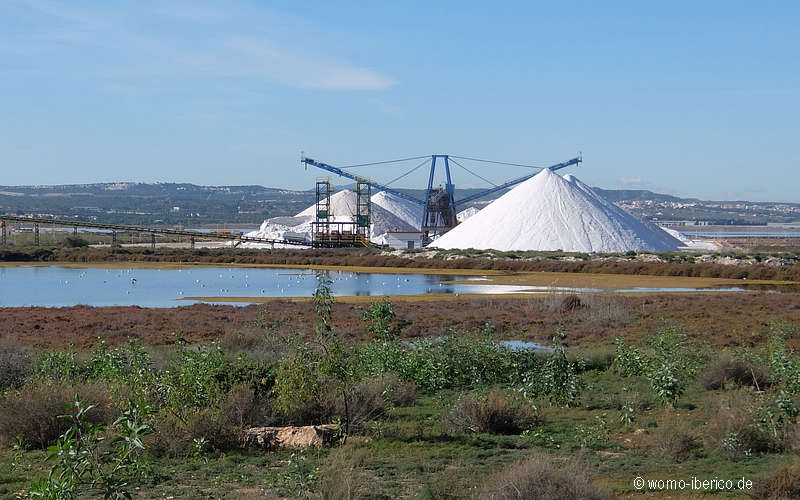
<point>406,210</point>
<point>343,208</point>
<point>550,212</point>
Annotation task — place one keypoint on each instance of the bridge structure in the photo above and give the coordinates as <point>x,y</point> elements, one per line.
<point>193,236</point>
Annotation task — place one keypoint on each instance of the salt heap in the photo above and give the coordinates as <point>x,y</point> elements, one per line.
<point>406,210</point>
<point>343,208</point>
<point>550,212</point>
<point>466,214</point>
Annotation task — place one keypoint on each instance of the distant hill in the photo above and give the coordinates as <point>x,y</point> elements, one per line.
<point>617,195</point>
<point>193,205</point>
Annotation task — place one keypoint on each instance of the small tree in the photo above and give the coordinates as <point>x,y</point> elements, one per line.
<point>380,320</point>
<point>82,468</point>
<point>300,376</point>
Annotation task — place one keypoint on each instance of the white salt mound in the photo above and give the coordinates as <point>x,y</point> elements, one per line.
<point>466,214</point>
<point>550,212</point>
<point>690,244</point>
<point>343,208</point>
<point>408,211</point>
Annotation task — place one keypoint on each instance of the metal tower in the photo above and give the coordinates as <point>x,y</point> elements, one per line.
<point>363,208</point>
<point>439,214</point>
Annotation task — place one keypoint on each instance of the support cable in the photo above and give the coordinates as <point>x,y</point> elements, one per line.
<point>384,162</point>
<point>473,173</point>
<point>495,162</point>
<point>425,162</point>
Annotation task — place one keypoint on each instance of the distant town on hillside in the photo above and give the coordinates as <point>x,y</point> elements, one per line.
<point>190,204</point>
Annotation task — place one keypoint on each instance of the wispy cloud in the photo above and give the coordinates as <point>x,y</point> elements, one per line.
<point>204,41</point>
<point>303,70</point>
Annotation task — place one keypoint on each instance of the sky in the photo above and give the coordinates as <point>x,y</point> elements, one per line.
<point>695,99</point>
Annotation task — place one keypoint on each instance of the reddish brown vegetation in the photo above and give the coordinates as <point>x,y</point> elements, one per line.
<point>521,261</point>
<point>721,319</point>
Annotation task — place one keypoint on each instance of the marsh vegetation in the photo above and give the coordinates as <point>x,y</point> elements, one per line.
<point>445,416</point>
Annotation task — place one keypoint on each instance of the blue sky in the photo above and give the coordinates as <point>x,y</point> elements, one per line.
<point>688,98</point>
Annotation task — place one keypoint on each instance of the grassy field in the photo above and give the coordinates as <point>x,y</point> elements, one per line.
<point>461,416</point>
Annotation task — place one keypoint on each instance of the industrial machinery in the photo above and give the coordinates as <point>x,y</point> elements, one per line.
<point>327,231</point>
<point>439,206</point>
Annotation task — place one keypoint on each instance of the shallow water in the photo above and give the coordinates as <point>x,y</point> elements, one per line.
<point>56,286</point>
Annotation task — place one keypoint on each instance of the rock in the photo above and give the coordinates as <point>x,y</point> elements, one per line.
<point>291,436</point>
<point>640,432</point>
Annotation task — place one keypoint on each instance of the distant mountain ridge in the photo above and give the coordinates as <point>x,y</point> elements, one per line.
<point>192,204</point>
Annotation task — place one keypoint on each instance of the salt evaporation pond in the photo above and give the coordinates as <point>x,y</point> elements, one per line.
<point>56,286</point>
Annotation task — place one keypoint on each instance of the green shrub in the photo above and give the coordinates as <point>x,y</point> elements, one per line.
<point>83,468</point>
<point>381,321</point>
<point>59,366</point>
<point>668,362</point>
<point>448,362</point>
<point>556,379</point>
<point>593,435</point>
<point>628,361</point>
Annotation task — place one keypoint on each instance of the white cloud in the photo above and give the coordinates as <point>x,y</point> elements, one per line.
<point>627,181</point>
<point>210,43</point>
<point>294,69</point>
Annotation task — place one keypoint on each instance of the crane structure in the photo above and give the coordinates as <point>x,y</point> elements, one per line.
<point>439,206</point>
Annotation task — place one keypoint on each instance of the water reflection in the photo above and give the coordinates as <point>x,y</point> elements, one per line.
<point>54,286</point>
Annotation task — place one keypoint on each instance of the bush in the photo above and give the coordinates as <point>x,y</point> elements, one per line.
<point>497,413</point>
<point>16,365</point>
<point>32,411</point>
<point>540,477</point>
<point>399,392</point>
<point>676,441</point>
<point>733,428</point>
<point>781,484</point>
<point>343,476</point>
<point>726,371</point>
<point>367,402</point>
<point>556,379</point>
<point>75,242</point>
<point>448,362</point>
<point>218,426</point>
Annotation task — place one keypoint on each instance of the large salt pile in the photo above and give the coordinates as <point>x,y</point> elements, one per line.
<point>407,210</point>
<point>466,214</point>
<point>550,212</point>
<point>343,208</point>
